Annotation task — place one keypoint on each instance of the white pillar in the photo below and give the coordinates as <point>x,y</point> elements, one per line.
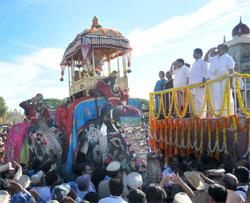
<point>118,66</point>
<point>93,61</point>
<point>109,66</point>
<point>124,66</point>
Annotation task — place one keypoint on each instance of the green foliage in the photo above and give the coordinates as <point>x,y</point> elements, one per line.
<point>142,102</point>
<point>3,107</point>
<point>52,103</point>
<point>14,116</point>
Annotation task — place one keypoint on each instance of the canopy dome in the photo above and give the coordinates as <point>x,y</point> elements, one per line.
<point>97,30</point>
<point>240,29</point>
<point>107,43</point>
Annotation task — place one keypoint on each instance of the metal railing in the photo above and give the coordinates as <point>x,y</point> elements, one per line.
<point>222,97</point>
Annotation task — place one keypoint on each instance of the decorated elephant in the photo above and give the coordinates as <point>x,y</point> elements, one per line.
<point>118,134</point>
<point>31,144</point>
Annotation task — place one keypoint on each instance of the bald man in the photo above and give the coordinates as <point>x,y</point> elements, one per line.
<point>230,182</point>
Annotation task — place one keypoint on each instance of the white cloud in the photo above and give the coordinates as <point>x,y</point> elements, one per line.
<point>46,57</point>
<point>16,41</point>
<point>39,71</point>
<point>155,38</point>
<point>29,74</point>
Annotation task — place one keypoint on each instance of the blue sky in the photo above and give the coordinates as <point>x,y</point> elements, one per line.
<point>34,34</point>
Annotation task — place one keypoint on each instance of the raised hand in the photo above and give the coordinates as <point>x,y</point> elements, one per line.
<point>15,186</point>
<point>176,179</point>
<point>68,200</point>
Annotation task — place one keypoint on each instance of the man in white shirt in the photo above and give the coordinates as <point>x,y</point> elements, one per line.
<point>220,65</point>
<point>198,73</point>
<point>181,74</point>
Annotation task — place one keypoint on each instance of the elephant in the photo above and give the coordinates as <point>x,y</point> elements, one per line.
<point>119,133</point>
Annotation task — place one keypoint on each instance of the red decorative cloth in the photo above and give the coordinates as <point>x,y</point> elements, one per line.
<point>29,109</point>
<point>113,98</point>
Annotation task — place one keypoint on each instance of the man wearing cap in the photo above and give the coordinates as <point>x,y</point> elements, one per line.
<point>133,181</point>
<point>181,197</point>
<point>59,192</point>
<point>84,186</point>
<point>198,73</point>
<point>113,171</point>
<point>51,178</point>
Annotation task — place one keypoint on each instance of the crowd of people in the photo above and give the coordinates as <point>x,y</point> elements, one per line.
<point>216,64</point>
<point>177,179</point>
<point>161,179</point>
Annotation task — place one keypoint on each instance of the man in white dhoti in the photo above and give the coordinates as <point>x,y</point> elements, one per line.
<point>220,65</point>
<point>181,74</point>
<point>198,73</point>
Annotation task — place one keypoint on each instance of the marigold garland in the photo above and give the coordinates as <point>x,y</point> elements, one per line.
<point>201,137</point>
<point>188,100</point>
<point>224,139</point>
<point>171,138</point>
<point>183,147</point>
<point>176,137</point>
<point>161,135</point>
<point>189,137</point>
<point>235,130</point>
<point>166,137</point>
<point>164,140</point>
<point>242,106</point>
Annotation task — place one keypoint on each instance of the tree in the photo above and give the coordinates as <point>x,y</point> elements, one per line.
<point>52,103</point>
<point>142,102</point>
<point>14,116</point>
<point>3,107</point>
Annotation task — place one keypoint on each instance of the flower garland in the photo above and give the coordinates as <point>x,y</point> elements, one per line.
<point>161,126</point>
<point>217,144</point>
<point>224,102</point>
<point>209,137</point>
<point>194,146</point>
<point>193,106</point>
<point>186,101</point>
<point>248,139</point>
<point>189,136</point>
<point>201,137</point>
<point>166,142</point>
<point>242,106</point>
<point>170,108</point>
<point>235,130</point>
<point>189,100</point>
<point>171,138</point>
<point>176,137</point>
<point>161,137</point>
<point>183,146</point>
<point>225,150</point>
